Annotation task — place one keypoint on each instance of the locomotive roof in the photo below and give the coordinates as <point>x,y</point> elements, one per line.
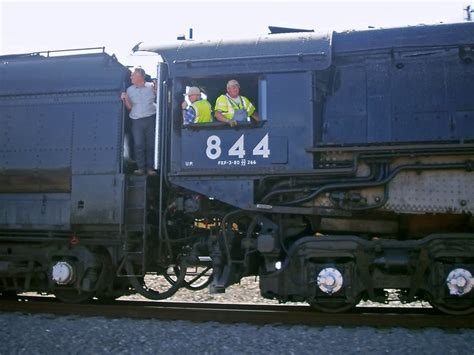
<point>284,51</point>
<point>404,37</point>
<point>299,51</point>
<point>63,73</point>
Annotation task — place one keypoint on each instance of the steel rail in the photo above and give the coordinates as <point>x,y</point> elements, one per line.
<point>242,313</point>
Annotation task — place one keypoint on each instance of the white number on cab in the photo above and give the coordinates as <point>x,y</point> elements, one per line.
<point>238,148</point>
<point>214,150</point>
<point>262,148</point>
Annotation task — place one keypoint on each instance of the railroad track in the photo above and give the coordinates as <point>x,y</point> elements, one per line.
<point>242,313</point>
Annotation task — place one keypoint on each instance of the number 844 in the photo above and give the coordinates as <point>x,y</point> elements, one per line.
<point>214,150</point>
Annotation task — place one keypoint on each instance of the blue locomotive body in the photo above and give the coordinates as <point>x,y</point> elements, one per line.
<point>356,179</point>
<point>62,177</point>
<point>315,93</point>
<point>62,129</point>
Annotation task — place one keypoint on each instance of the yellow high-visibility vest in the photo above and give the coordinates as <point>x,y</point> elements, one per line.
<point>203,109</point>
<point>227,106</point>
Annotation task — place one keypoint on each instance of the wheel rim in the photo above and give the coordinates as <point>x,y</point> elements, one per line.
<point>334,307</point>
<point>453,308</point>
<point>73,296</point>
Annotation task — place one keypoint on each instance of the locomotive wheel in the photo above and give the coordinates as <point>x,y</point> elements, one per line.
<point>194,281</point>
<point>155,285</point>
<point>454,308</point>
<point>334,307</point>
<point>73,296</point>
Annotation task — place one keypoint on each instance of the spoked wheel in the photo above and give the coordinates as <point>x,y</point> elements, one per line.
<point>334,306</point>
<point>454,307</point>
<point>68,295</point>
<point>155,285</point>
<point>196,278</point>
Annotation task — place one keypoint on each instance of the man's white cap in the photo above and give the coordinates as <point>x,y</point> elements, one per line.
<point>233,83</point>
<point>193,90</point>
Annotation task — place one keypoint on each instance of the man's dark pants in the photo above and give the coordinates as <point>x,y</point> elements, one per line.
<point>143,131</point>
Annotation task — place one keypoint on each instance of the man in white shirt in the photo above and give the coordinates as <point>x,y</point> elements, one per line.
<point>140,101</point>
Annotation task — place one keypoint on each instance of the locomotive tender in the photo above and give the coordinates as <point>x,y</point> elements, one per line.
<point>358,178</point>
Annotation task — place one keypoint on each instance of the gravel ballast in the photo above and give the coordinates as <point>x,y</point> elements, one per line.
<point>43,334</point>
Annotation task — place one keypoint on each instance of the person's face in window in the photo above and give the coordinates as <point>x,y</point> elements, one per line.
<point>193,98</point>
<point>233,91</point>
<point>136,78</point>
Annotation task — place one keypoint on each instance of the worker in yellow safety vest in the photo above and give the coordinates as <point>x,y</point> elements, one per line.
<point>200,109</point>
<point>232,108</point>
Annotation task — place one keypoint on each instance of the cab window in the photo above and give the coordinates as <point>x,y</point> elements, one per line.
<point>254,88</point>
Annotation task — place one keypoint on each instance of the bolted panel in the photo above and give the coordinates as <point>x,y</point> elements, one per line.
<point>97,199</point>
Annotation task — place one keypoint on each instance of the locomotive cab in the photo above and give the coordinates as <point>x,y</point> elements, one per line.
<point>282,93</point>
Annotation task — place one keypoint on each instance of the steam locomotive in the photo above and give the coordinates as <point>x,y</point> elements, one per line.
<point>358,178</point>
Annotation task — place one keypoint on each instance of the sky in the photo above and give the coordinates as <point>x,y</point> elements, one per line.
<point>32,26</point>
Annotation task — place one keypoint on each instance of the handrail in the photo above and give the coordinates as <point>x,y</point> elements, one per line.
<point>102,49</point>
<point>389,148</point>
<point>256,57</point>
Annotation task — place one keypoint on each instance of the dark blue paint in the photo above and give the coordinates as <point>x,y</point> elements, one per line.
<point>62,114</point>
<point>394,86</point>
<point>35,211</point>
<point>408,85</point>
